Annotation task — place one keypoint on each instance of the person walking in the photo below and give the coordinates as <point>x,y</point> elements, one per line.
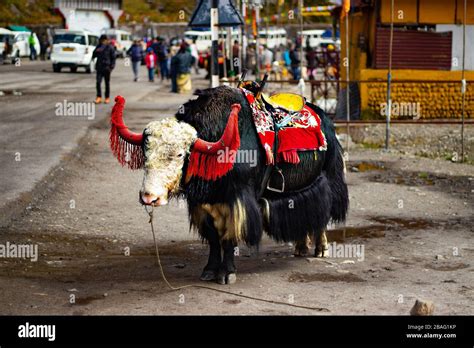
<point>7,48</point>
<point>136,55</point>
<point>295,62</point>
<point>104,65</point>
<point>194,52</point>
<point>267,59</point>
<point>181,65</point>
<point>150,61</point>
<point>312,61</point>
<point>236,57</point>
<point>32,43</point>
<point>44,45</point>
<point>163,59</point>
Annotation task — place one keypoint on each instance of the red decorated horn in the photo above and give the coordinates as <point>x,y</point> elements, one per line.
<point>122,129</point>
<point>126,145</point>
<point>231,134</point>
<point>205,162</point>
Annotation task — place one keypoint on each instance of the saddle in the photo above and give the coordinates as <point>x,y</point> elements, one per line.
<point>288,101</point>
<point>285,124</point>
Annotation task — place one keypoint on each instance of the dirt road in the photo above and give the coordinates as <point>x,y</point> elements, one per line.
<point>412,216</point>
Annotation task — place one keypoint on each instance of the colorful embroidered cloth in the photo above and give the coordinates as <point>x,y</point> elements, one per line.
<point>298,131</point>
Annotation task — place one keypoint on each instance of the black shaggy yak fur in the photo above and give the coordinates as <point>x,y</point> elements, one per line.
<point>316,190</point>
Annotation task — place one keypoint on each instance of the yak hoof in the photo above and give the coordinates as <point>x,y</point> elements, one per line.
<point>302,247</point>
<point>208,275</point>
<point>229,278</point>
<point>321,252</point>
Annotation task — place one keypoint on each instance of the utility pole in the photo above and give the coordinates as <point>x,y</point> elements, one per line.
<point>214,49</point>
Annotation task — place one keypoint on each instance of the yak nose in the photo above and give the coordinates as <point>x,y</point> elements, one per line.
<point>148,198</point>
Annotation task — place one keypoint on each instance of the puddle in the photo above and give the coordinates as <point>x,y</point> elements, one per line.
<point>83,301</point>
<point>366,166</point>
<point>378,230</point>
<point>298,277</point>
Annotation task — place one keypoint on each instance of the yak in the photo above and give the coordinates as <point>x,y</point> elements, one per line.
<point>228,201</point>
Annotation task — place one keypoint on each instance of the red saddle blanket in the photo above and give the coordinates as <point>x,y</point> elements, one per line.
<point>298,131</point>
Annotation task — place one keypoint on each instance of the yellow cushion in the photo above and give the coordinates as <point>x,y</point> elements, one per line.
<point>288,101</point>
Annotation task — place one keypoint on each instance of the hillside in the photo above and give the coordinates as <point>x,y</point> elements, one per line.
<point>41,12</point>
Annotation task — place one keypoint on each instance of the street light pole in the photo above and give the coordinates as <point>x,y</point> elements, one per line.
<point>214,49</point>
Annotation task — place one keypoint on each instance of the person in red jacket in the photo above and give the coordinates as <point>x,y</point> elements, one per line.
<point>151,61</point>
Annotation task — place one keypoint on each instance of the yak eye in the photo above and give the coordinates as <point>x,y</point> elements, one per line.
<point>180,155</point>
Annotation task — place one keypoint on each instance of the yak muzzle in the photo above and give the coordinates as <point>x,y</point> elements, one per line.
<point>153,199</point>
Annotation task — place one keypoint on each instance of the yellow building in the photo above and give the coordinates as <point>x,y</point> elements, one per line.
<point>427,47</point>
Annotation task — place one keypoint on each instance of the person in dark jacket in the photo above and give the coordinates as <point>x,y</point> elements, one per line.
<point>104,65</point>
<point>295,62</point>
<point>135,52</point>
<point>181,65</point>
<point>312,60</point>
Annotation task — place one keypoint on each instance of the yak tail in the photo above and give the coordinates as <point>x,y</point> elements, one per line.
<point>337,182</point>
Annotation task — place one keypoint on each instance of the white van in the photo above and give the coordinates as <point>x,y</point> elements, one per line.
<point>273,38</point>
<point>203,38</point>
<point>21,45</point>
<point>316,39</point>
<point>73,49</point>
<point>121,38</point>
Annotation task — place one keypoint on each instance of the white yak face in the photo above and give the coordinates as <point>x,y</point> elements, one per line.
<point>167,142</point>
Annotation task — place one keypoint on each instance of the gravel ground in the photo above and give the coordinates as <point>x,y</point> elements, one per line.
<point>432,141</point>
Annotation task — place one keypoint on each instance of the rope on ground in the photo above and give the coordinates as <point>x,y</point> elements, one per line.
<point>175,288</point>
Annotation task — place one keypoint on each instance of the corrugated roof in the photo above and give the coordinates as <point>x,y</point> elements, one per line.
<point>413,49</point>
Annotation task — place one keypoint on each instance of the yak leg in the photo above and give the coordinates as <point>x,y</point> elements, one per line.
<point>211,270</point>
<point>321,249</point>
<point>302,247</point>
<point>227,270</point>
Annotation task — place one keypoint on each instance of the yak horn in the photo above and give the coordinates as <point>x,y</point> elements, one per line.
<point>231,133</point>
<point>122,129</point>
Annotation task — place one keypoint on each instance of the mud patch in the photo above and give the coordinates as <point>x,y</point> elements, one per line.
<point>69,257</point>
<point>298,277</point>
<point>378,230</point>
<point>446,266</point>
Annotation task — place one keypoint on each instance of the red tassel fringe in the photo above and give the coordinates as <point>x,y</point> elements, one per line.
<point>127,154</point>
<point>290,156</point>
<point>211,166</point>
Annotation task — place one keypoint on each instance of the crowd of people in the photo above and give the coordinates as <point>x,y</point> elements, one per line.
<point>165,61</point>
<point>175,61</point>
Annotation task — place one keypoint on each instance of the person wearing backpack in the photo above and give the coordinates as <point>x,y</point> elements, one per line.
<point>105,63</point>
<point>135,52</point>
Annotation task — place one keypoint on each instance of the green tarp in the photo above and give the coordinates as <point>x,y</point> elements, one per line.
<point>18,28</point>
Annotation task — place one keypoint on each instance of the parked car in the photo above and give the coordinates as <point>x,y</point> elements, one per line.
<point>73,49</point>
<point>121,39</point>
<point>21,46</point>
